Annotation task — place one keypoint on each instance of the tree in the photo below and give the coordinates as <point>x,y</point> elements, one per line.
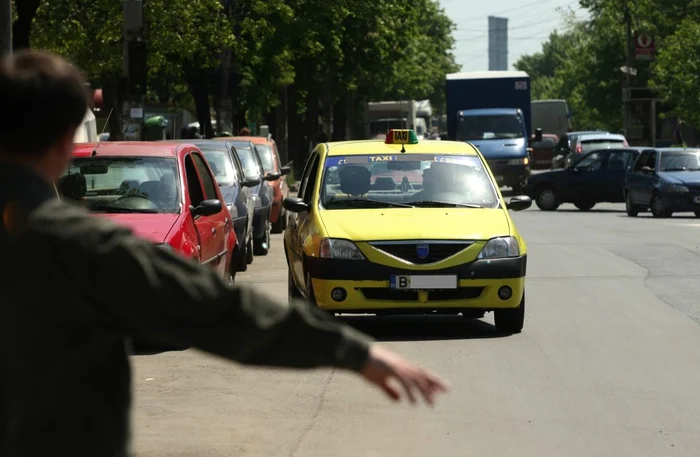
<point>89,33</point>
<point>22,24</point>
<point>676,72</point>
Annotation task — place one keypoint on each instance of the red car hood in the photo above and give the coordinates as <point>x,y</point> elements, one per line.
<point>153,227</point>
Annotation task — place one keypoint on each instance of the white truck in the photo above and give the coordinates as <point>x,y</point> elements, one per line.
<point>382,116</point>
<point>552,116</point>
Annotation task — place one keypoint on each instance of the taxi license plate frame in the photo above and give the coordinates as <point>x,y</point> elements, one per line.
<point>696,199</point>
<point>423,282</point>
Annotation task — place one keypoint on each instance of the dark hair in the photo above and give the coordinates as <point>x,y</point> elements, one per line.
<point>245,131</point>
<point>42,96</point>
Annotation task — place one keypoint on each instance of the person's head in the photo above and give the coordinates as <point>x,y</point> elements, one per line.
<point>44,101</point>
<point>245,131</point>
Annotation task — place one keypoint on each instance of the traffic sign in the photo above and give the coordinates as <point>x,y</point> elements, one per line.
<point>644,46</point>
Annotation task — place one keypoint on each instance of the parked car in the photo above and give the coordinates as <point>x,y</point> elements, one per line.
<point>665,180</point>
<point>236,191</point>
<point>597,177</point>
<point>542,152</point>
<point>163,192</point>
<point>263,193</point>
<point>270,158</point>
<point>566,144</point>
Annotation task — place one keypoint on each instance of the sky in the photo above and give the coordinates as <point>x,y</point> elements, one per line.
<point>529,25</point>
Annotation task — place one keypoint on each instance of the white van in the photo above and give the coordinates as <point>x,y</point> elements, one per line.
<point>87,132</point>
<point>552,116</point>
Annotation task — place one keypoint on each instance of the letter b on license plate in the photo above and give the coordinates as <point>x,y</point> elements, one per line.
<point>424,282</point>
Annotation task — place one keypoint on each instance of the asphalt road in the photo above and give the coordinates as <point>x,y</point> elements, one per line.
<point>607,365</point>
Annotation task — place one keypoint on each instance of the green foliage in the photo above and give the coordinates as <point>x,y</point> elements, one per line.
<point>583,64</point>
<point>89,33</point>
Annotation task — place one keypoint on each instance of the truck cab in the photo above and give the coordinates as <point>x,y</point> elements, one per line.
<point>491,110</point>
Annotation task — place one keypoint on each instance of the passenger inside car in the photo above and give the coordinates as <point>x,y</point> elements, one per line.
<point>355,180</point>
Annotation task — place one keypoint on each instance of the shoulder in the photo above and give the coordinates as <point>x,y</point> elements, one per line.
<point>71,224</point>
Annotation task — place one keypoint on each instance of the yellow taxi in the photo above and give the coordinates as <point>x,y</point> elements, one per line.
<point>401,226</point>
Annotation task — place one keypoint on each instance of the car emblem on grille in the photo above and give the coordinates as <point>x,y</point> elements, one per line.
<point>423,250</point>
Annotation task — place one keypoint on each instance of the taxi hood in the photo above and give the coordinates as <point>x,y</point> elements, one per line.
<point>389,224</point>
<point>153,227</point>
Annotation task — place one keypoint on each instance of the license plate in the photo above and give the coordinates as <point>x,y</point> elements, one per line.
<point>696,199</point>
<point>423,282</point>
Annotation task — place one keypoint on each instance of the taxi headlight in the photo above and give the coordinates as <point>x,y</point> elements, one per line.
<point>677,188</point>
<point>518,161</point>
<point>506,246</point>
<point>339,249</point>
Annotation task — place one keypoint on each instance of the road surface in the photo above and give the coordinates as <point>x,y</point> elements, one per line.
<point>608,364</point>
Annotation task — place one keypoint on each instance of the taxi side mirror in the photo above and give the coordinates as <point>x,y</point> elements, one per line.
<point>272,176</point>
<point>295,205</point>
<point>519,203</point>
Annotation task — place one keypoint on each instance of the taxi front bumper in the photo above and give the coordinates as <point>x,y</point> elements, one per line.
<point>366,286</point>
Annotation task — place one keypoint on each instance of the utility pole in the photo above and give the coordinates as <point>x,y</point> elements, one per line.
<point>134,72</point>
<point>628,74</point>
<point>5,27</point>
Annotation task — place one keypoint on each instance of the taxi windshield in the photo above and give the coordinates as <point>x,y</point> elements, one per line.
<point>123,184</point>
<point>415,180</point>
<point>680,161</point>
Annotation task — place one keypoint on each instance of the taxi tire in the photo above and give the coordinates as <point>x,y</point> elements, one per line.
<point>541,199</point>
<point>292,290</point>
<point>311,297</point>
<point>510,320</point>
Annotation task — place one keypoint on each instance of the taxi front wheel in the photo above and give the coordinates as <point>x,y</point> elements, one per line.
<point>510,320</point>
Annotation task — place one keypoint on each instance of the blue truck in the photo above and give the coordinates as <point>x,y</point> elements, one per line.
<point>491,110</point>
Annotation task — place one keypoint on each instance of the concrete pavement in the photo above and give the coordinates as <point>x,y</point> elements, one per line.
<point>607,364</point>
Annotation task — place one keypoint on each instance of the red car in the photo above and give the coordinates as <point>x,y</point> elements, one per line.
<point>164,192</point>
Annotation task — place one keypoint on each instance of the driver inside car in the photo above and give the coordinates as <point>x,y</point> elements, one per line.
<point>437,179</point>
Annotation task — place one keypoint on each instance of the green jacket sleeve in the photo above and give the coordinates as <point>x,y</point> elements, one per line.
<point>141,289</point>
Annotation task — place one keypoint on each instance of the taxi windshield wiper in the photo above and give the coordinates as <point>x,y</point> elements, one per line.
<point>438,203</point>
<point>366,203</point>
<point>119,209</point>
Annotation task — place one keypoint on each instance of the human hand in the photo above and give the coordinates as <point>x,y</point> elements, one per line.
<point>384,369</point>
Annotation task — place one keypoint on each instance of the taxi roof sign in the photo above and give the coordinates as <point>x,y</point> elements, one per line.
<point>401,136</point>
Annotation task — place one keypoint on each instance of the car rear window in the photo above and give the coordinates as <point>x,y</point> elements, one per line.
<point>592,145</point>
<point>546,143</point>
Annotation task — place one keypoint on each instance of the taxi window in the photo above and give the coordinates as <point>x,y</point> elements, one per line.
<point>251,170</point>
<point>123,184</point>
<point>220,163</point>
<point>401,180</point>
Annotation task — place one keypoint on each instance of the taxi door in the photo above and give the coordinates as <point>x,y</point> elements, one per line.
<point>585,178</point>
<point>301,224</point>
<point>209,228</point>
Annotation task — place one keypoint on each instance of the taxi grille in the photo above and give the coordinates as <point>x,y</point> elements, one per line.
<point>422,253</point>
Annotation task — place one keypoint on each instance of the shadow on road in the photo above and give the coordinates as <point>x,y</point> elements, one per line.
<point>422,328</point>
<point>648,216</point>
<point>594,210</point>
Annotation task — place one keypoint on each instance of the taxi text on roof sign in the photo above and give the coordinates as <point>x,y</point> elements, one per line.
<point>401,136</point>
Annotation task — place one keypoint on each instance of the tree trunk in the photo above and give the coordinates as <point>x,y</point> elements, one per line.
<point>241,120</point>
<point>22,28</point>
<point>113,106</point>
<point>280,133</point>
<point>297,144</point>
<point>200,93</point>
<point>339,122</point>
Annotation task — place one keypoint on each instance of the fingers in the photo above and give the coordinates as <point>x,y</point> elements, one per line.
<point>390,391</point>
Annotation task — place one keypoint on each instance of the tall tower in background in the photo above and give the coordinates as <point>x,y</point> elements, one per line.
<point>498,43</point>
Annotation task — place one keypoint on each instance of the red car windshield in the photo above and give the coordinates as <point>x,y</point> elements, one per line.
<point>123,184</point>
